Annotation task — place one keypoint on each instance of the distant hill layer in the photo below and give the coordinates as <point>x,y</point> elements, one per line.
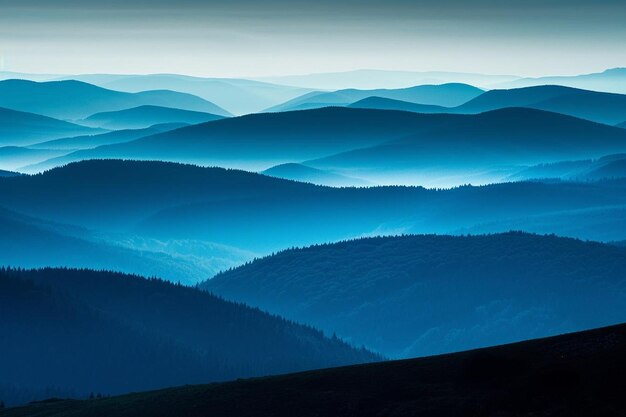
<point>146,116</point>
<point>74,100</point>
<point>260,213</point>
<point>567,375</point>
<point>238,96</point>
<point>607,108</point>
<point>612,80</point>
<point>376,142</point>
<point>448,95</point>
<point>422,295</point>
<point>600,107</point>
<point>382,103</point>
<point>259,141</point>
<point>22,128</point>
<point>303,173</point>
<point>119,333</point>
<point>610,166</point>
<point>28,242</point>
<point>499,137</point>
<point>109,138</point>
<point>16,157</point>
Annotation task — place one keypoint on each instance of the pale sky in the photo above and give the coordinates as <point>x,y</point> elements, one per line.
<point>278,37</point>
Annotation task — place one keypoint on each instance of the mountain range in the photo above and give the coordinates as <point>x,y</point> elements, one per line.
<point>371,145</point>
<point>476,143</point>
<point>610,166</point>
<point>611,80</point>
<point>607,108</point>
<point>239,96</point>
<point>75,100</point>
<point>22,128</point>
<point>303,173</point>
<point>91,141</point>
<point>260,214</point>
<point>145,116</point>
<point>28,242</point>
<point>259,141</point>
<point>368,79</point>
<point>447,95</point>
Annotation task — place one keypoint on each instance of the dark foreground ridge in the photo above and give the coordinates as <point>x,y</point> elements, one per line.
<point>577,374</point>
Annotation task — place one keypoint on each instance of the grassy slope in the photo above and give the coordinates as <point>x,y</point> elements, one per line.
<point>569,375</point>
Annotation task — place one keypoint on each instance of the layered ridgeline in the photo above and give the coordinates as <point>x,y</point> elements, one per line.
<point>599,107</point>
<point>73,143</point>
<point>21,157</point>
<point>479,147</point>
<point>16,157</point>
<point>568,375</point>
<point>86,331</point>
<point>73,100</point>
<point>146,116</point>
<point>422,295</point>
<point>22,128</point>
<point>445,95</point>
<point>303,173</point>
<point>260,141</point>
<point>612,80</point>
<point>238,96</point>
<point>371,79</point>
<point>610,166</point>
<point>33,243</point>
<point>173,202</point>
<point>379,146</point>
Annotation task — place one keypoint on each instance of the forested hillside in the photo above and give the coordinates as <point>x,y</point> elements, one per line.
<point>84,331</point>
<point>417,295</point>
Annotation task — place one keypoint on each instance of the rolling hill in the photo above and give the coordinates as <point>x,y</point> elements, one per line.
<point>111,333</point>
<point>115,194</point>
<point>428,294</point>
<point>511,136</point>
<point>16,157</point>
<point>622,125</point>
<point>607,167</point>
<point>575,374</point>
<point>109,138</point>
<point>27,242</point>
<point>607,108</point>
<point>166,201</point>
<point>382,103</point>
<point>20,128</point>
<point>146,116</point>
<point>239,96</point>
<point>412,148</point>
<point>612,80</point>
<point>259,141</point>
<point>447,95</point>
<point>303,173</point>
<point>599,107</point>
<point>604,224</point>
<point>368,79</point>
<point>74,100</point>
